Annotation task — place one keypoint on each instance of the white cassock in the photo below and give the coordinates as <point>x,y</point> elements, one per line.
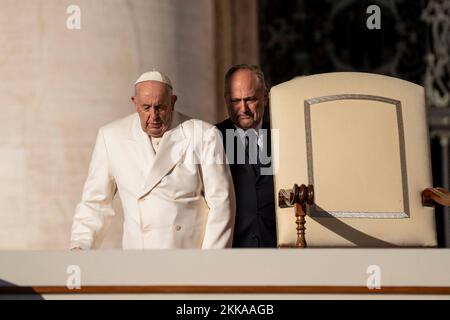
<point>170,199</point>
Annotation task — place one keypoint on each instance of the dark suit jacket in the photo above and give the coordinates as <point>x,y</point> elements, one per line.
<point>255,208</point>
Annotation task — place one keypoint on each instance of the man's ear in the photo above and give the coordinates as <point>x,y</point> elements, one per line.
<point>133,98</point>
<point>266,97</point>
<point>174,99</point>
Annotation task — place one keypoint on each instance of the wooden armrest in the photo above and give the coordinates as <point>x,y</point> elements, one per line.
<point>431,196</point>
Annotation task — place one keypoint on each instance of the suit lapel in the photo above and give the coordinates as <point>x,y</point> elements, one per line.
<point>142,148</point>
<point>172,147</point>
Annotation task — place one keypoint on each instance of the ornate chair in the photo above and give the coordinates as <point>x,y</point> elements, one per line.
<point>359,144</point>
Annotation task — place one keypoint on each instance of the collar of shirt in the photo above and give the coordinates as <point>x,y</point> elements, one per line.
<point>241,133</point>
<point>155,142</point>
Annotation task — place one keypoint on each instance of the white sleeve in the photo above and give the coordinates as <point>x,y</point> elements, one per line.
<point>219,193</point>
<point>93,213</point>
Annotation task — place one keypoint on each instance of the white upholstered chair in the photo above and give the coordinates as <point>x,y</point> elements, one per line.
<point>362,141</point>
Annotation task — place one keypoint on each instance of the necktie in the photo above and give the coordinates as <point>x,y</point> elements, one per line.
<point>251,154</point>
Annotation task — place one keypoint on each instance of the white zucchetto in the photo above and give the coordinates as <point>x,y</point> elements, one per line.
<point>154,76</point>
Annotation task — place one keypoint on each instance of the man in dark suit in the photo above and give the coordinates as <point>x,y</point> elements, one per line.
<point>246,137</point>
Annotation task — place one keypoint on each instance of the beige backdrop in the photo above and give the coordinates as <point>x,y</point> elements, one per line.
<point>58,86</point>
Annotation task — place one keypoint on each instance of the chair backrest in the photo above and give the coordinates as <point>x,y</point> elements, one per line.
<point>362,141</point>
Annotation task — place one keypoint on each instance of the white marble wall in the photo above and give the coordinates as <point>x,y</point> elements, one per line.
<point>58,86</point>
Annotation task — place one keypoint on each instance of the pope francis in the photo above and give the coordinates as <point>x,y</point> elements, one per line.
<point>155,160</point>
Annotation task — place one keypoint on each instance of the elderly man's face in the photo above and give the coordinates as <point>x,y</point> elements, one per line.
<point>246,99</point>
<point>154,103</point>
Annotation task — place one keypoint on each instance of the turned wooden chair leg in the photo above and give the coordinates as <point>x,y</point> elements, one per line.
<point>298,197</point>
<point>300,213</point>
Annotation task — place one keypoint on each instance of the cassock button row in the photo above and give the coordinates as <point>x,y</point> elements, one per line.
<point>178,227</point>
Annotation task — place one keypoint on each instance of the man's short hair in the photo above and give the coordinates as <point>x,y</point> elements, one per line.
<point>244,66</point>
